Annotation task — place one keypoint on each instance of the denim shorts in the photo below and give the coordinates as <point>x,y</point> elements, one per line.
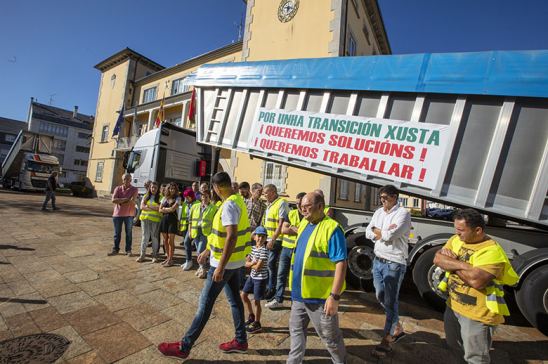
<point>255,286</point>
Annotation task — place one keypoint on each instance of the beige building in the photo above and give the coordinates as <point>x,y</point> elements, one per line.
<point>274,29</point>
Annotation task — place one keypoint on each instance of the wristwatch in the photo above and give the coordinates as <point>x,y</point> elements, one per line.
<point>336,297</point>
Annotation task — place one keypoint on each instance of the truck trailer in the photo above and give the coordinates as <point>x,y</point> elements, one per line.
<point>29,162</point>
<point>461,129</point>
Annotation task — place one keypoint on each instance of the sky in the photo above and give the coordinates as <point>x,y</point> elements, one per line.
<point>48,47</point>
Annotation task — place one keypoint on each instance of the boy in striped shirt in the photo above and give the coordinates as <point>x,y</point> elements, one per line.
<point>256,282</point>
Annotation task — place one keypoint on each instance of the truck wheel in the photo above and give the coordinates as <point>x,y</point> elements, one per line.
<point>532,298</point>
<point>427,276</point>
<point>360,263</point>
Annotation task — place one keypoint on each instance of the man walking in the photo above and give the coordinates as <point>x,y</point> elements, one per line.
<point>276,213</point>
<point>316,281</point>
<point>51,186</point>
<point>289,229</point>
<point>123,198</point>
<point>389,228</point>
<point>476,269</point>
<point>226,251</point>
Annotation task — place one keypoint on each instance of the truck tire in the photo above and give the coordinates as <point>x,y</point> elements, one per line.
<point>360,262</point>
<point>426,277</point>
<point>532,298</point>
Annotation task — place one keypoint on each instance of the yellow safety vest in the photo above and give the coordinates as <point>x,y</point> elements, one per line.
<point>494,293</point>
<point>289,241</point>
<point>216,240</point>
<point>184,214</point>
<point>201,219</point>
<point>271,220</point>
<point>151,215</point>
<point>318,272</point>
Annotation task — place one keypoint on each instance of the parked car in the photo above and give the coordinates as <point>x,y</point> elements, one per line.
<point>80,189</point>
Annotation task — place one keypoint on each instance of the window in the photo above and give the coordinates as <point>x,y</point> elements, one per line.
<point>10,138</point>
<point>274,174</point>
<point>179,86</point>
<point>403,201</point>
<point>112,81</point>
<point>416,203</point>
<point>83,135</point>
<point>358,193</point>
<point>104,134</point>
<point>53,129</point>
<point>149,95</point>
<point>343,189</point>
<point>80,162</point>
<point>99,172</point>
<point>366,32</point>
<point>82,149</point>
<point>352,47</point>
<point>59,145</point>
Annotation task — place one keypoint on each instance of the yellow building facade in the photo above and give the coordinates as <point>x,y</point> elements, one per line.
<point>274,29</point>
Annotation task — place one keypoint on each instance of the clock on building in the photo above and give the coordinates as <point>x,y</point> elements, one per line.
<point>287,10</point>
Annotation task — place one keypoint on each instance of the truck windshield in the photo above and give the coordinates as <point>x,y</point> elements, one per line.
<point>34,166</point>
<point>133,161</point>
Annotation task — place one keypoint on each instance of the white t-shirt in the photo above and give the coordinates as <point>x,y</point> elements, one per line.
<point>230,215</point>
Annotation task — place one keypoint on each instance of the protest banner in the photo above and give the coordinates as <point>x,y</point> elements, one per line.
<point>403,151</point>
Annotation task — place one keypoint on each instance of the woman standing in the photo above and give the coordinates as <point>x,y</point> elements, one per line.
<point>168,224</point>
<point>150,222</point>
<point>200,226</point>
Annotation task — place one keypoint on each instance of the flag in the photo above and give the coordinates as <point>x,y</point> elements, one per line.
<point>160,117</point>
<point>119,122</point>
<point>192,107</point>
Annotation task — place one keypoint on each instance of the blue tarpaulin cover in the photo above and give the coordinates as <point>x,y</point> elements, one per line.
<point>504,73</point>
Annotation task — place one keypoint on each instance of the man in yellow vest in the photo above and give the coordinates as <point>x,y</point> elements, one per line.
<point>477,268</point>
<point>226,250</point>
<point>189,202</point>
<point>316,281</point>
<point>276,213</point>
<point>289,229</point>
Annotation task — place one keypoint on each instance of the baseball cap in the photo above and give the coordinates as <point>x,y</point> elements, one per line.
<point>260,231</point>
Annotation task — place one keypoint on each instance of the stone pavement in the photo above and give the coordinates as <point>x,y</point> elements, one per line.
<point>55,277</point>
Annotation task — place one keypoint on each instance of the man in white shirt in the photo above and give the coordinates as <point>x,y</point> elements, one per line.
<point>389,229</point>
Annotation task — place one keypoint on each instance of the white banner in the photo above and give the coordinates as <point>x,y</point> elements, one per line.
<point>401,151</point>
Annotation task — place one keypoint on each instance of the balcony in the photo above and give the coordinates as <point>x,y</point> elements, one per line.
<point>125,143</point>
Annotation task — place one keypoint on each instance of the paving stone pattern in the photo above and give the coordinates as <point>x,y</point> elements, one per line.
<point>55,277</point>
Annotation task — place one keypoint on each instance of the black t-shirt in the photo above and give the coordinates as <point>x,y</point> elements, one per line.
<point>52,184</point>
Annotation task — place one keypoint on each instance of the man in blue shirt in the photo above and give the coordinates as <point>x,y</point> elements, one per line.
<point>311,303</point>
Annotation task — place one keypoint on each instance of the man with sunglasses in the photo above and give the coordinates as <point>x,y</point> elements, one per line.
<point>389,229</point>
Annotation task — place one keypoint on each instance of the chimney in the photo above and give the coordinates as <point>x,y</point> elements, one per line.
<point>75,112</point>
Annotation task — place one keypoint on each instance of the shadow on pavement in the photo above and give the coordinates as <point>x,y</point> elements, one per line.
<point>23,300</point>
<point>14,247</point>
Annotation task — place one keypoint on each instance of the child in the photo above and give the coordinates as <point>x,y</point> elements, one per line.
<point>256,282</point>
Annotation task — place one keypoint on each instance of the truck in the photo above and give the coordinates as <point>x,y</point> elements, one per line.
<point>467,130</point>
<point>29,162</point>
<point>168,154</point>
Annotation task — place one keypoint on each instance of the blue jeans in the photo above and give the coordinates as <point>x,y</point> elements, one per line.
<point>387,278</point>
<point>201,242</point>
<point>128,222</point>
<point>283,273</point>
<point>187,242</point>
<point>273,256</point>
<point>231,285</point>
<point>50,195</point>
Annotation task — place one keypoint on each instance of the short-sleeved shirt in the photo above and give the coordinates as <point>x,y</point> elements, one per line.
<point>259,253</point>
<point>126,209</point>
<point>230,215</point>
<point>467,300</point>
<point>336,249</point>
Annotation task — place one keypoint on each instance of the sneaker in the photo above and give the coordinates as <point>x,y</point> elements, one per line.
<point>203,274</point>
<point>250,320</point>
<point>274,305</point>
<point>113,252</point>
<point>187,266</point>
<point>129,254</point>
<point>154,260</point>
<point>199,271</point>
<point>173,349</point>
<point>141,258</point>
<point>269,294</point>
<point>233,347</point>
<point>254,327</point>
